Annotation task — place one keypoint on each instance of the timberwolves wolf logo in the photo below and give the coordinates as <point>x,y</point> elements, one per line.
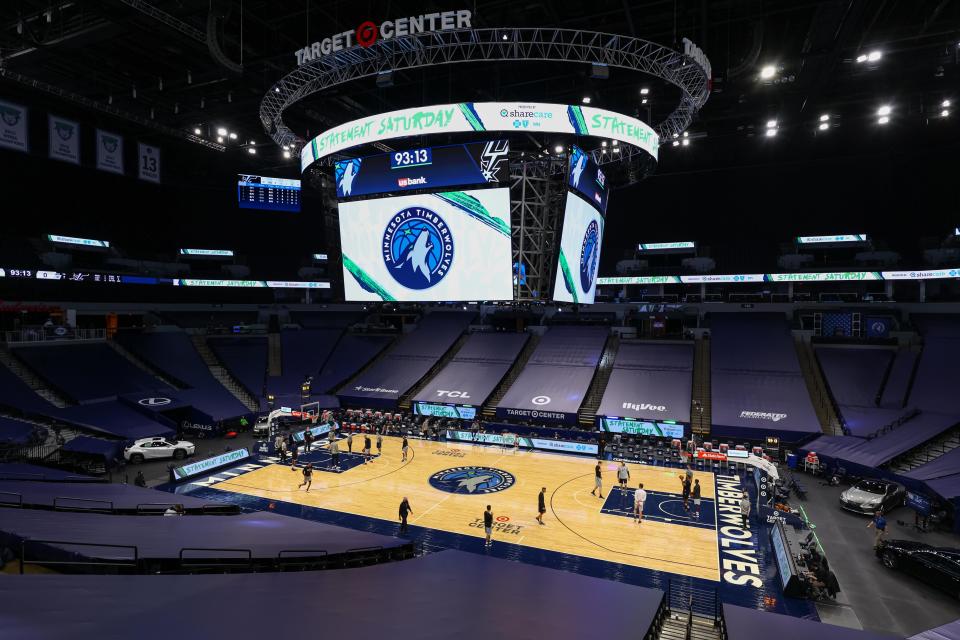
<point>346,172</point>
<point>577,170</point>
<point>110,144</point>
<point>417,248</point>
<point>10,116</point>
<point>589,255</point>
<point>472,480</point>
<point>64,130</point>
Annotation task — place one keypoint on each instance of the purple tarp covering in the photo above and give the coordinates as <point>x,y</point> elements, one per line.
<point>949,631</point>
<point>938,376</point>
<point>120,496</point>
<point>351,354</point>
<point>546,393</point>
<point>304,353</point>
<point>752,342</point>
<point>571,346</point>
<point>946,465</point>
<point>327,319</point>
<point>108,449</point>
<point>470,382</point>
<point>246,359</point>
<point>651,395</point>
<point>645,355</point>
<point>854,375</point>
<point>492,347</point>
<point>895,391</point>
<point>385,601</point>
<point>88,371</point>
<point>865,421</point>
<point>761,404</point>
<point>752,624</point>
<point>882,449</point>
<point>265,534</point>
<point>29,472</point>
<point>435,334</point>
<point>14,431</point>
<point>14,392</point>
<point>115,418</point>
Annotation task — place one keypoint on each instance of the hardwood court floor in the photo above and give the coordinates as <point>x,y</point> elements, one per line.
<point>574,522</point>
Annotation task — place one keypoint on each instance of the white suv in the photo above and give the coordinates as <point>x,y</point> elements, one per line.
<point>156,448</point>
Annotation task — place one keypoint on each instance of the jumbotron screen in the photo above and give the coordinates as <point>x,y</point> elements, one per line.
<point>579,255</point>
<point>437,247</point>
<point>272,194</point>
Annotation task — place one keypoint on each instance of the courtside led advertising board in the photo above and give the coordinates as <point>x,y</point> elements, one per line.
<point>579,255</point>
<point>587,178</point>
<point>424,168</point>
<point>435,247</point>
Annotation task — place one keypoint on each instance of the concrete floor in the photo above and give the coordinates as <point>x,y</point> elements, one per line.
<point>885,601</point>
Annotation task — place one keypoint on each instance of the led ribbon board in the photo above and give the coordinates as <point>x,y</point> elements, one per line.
<point>194,469</point>
<point>207,253</point>
<point>519,117</point>
<point>444,411</point>
<point>667,247</point>
<point>82,242</point>
<point>843,238</point>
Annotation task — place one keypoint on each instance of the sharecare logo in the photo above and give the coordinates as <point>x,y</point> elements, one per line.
<point>411,182</point>
<point>520,113</point>
<point>763,415</point>
<point>643,406</point>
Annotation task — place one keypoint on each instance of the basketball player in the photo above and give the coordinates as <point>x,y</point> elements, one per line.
<point>404,448</point>
<point>307,476</point>
<point>366,449</point>
<point>639,497</point>
<point>350,442</point>
<point>335,454</point>
<point>379,443</point>
<point>696,498</point>
<point>488,524</point>
<point>541,504</point>
<point>405,510</point>
<point>597,481</point>
<point>623,474</point>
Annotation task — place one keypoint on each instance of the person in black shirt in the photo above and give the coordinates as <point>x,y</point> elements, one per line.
<point>307,476</point>
<point>488,524</point>
<point>366,448</point>
<point>696,498</point>
<point>686,494</point>
<point>140,481</point>
<point>404,448</point>
<point>597,481</point>
<point>541,505</point>
<point>405,510</point>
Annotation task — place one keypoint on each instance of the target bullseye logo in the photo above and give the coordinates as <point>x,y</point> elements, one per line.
<point>540,400</point>
<point>367,33</point>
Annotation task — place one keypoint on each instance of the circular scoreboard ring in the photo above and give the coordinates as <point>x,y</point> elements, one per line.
<point>689,71</point>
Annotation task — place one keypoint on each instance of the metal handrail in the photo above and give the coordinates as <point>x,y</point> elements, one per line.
<point>4,503</point>
<point>155,504</point>
<point>100,563</point>
<point>110,508</point>
<point>202,563</point>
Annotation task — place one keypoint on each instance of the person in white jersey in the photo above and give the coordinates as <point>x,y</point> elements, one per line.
<point>639,497</point>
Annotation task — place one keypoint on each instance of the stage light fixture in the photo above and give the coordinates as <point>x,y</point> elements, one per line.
<point>586,99</point>
<point>686,134</point>
<point>686,142</point>
<point>616,143</point>
<point>233,136</point>
<point>768,72</point>
<point>884,110</point>
<point>676,143</point>
<point>883,120</point>
<point>558,149</point>
<point>504,37</point>
<point>824,126</point>
<point>603,144</point>
<point>221,131</point>
<point>771,133</point>
<point>286,154</point>
<point>220,139</point>
<point>276,89</point>
<point>251,151</point>
<point>874,56</point>
<point>945,104</point>
<point>644,101</point>
<point>196,131</point>
<point>824,117</point>
<point>771,124</point>
<point>945,113</point>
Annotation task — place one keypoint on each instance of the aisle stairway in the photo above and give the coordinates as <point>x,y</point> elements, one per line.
<point>31,379</point>
<point>700,400</point>
<point>221,374</point>
<point>490,408</point>
<point>817,388</point>
<point>588,409</point>
<point>927,452</point>
<point>143,365</point>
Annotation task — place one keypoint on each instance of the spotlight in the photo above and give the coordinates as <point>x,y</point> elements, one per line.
<point>286,147</point>
<point>616,143</point>
<point>686,134</point>
<point>945,104</point>
<point>196,131</point>
<point>945,113</point>
<point>884,110</point>
<point>558,149</point>
<point>220,139</point>
<point>823,126</point>
<point>233,136</point>
<point>883,120</point>
<point>644,91</point>
<point>276,89</point>
<point>873,56</point>
<point>504,37</point>
<point>644,101</point>
<point>771,124</point>
<point>862,58</point>
<point>824,117</point>
<point>768,72</point>
<point>586,99</point>
<point>251,150</point>
<point>771,133</point>
<point>676,143</point>
<point>603,144</point>
<point>286,154</point>
<point>221,131</point>
<point>686,142</point>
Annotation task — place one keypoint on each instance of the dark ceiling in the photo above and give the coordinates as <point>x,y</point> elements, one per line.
<point>155,61</point>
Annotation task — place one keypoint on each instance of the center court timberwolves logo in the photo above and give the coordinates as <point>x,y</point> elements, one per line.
<point>473,480</point>
<point>417,248</point>
<point>589,254</point>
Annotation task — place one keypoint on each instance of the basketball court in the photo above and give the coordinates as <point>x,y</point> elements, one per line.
<point>450,484</point>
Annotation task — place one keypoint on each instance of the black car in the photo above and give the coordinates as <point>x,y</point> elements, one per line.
<point>870,496</point>
<point>939,567</point>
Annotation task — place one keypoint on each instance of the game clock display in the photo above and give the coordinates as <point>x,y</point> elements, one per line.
<point>411,158</point>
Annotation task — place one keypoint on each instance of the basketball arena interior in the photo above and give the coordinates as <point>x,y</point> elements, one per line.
<point>480,319</point>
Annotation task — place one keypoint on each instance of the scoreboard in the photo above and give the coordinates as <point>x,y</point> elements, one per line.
<point>272,194</point>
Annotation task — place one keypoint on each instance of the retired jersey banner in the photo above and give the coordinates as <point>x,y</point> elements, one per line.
<point>64,139</point>
<point>148,163</point>
<point>109,152</point>
<point>13,126</point>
